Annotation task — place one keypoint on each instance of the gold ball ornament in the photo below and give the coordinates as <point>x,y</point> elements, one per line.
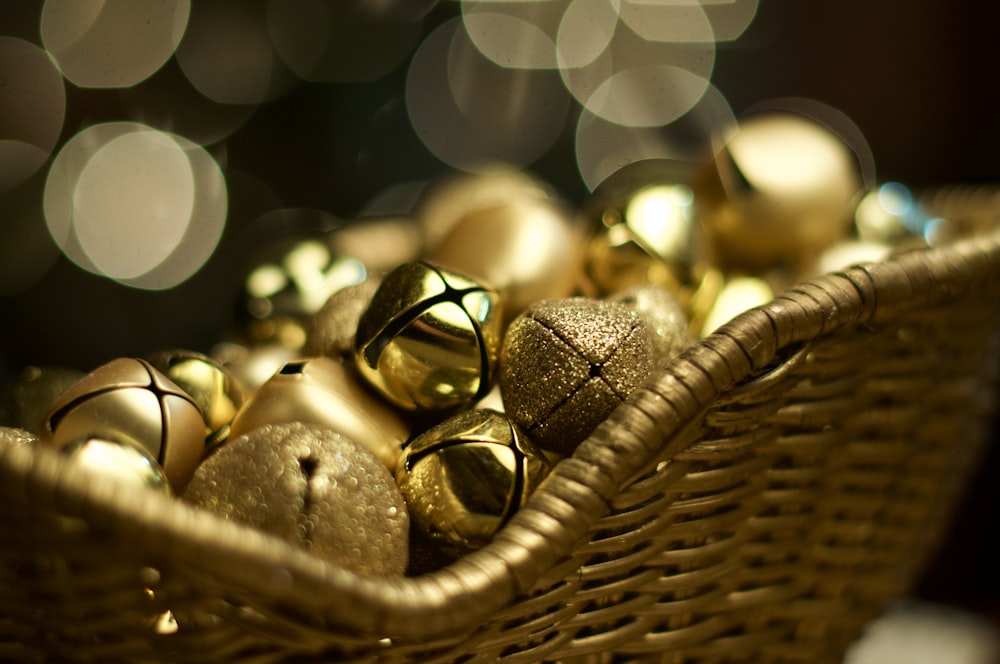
<point>663,315</point>
<point>779,189</point>
<point>739,294</point>
<point>331,330</point>
<point>129,401</point>
<point>528,248</point>
<point>312,487</point>
<point>122,462</point>
<point>566,364</point>
<point>645,221</point>
<point>26,398</point>
<point>464,478</point>
<point>430,338</point>
<point>212,387</point>
<point>324,392</point>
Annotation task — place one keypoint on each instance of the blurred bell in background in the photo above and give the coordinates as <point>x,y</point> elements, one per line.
<point>179,174</point>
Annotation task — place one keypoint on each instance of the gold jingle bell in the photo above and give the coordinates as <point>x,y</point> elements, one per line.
<point>324,392</point>
<point>129,401</point>
<point>779,189</point>
<point>123,461</point>
<point>566,364</point>
<point>211,386</point>
<point>313,488</point>
<point>645,228</point>
<point>739,294</point>
<point>528,248</point>
<point>429,340</point>
<point>464,478</point>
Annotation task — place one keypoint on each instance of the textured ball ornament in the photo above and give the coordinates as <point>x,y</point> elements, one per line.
<point>324,392</point>
<point>566,364</point>
<point>663,315</point>
<point>313,488</point>
<point>211,386</point>
<point>128,401</point>
<point>464,478</point>
<point>779,190</point>
<point>645,222</point>
<point>430,338</point>
<point>528,248</point>
<point>17,436</point>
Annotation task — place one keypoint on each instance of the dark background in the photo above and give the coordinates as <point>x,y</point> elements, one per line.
<point>918,78</point>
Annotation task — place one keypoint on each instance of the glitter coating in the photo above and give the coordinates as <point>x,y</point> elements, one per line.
<point>314,488</point>
<point>566,364</point>
<point>665,317</point>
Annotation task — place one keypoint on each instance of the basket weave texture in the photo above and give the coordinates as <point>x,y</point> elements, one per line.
<point>761,499</point>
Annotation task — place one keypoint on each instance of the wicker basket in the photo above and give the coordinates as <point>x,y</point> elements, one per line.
<point>760,500</point>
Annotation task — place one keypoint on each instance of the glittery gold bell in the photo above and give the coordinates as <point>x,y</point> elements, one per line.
<point>464,478</point>
<point>779,189</point>
<point>17,436</point>
<point>130,402</point>
<point>211,386</point>
<point>430,337</point>
<point>645,228</point>
<point>312,487</point>
<point>324,392</point>
<point>566,364</point>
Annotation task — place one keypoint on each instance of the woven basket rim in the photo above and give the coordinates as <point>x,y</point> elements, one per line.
<point>460,597</point>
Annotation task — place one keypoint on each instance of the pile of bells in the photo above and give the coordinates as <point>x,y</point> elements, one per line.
<point>405,384</point>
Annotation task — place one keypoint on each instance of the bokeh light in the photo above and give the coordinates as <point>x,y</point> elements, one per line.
<point>135,204</point>
<point>112,43</point>
<point>228,56</point>
<point>32,109</point>
<point>467,110</point>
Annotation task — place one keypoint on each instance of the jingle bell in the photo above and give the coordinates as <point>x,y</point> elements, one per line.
<point>464,478</point>
<point>645,222</point>
<point>123,461</point>
<point>211,386</point>
<point>429,340</point>
<point>313,488</point>
<point>779,190</point>
<point>26,398</point>
<point>324,392</point>
<point>331,330</point>
<point>566,364</point>
<point>17,436</point>
<point>129,401</point>
<point>739,294</point>
<point>528,248</point>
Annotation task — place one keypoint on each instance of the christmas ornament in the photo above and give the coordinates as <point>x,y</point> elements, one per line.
<point>430,337</point>
<point>313,488</point>
<point>528,248</point>
<point>131,403</point>
<point>663,315</point>
<point>27,397</point>
<point>331,330</point>
<point>254,365</point>
<point>779,190</point>
<point>211,386</point>
<point>464,478</point>
<point>566,364</point>
<point>324,392</point>
<point>121,461</point>
<point>739,294</point>
<point>645,222</point>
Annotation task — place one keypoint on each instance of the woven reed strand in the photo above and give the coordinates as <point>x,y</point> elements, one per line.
<point>761,499</point>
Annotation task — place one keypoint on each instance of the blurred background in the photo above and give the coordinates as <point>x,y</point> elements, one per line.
<point>150,150</point>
